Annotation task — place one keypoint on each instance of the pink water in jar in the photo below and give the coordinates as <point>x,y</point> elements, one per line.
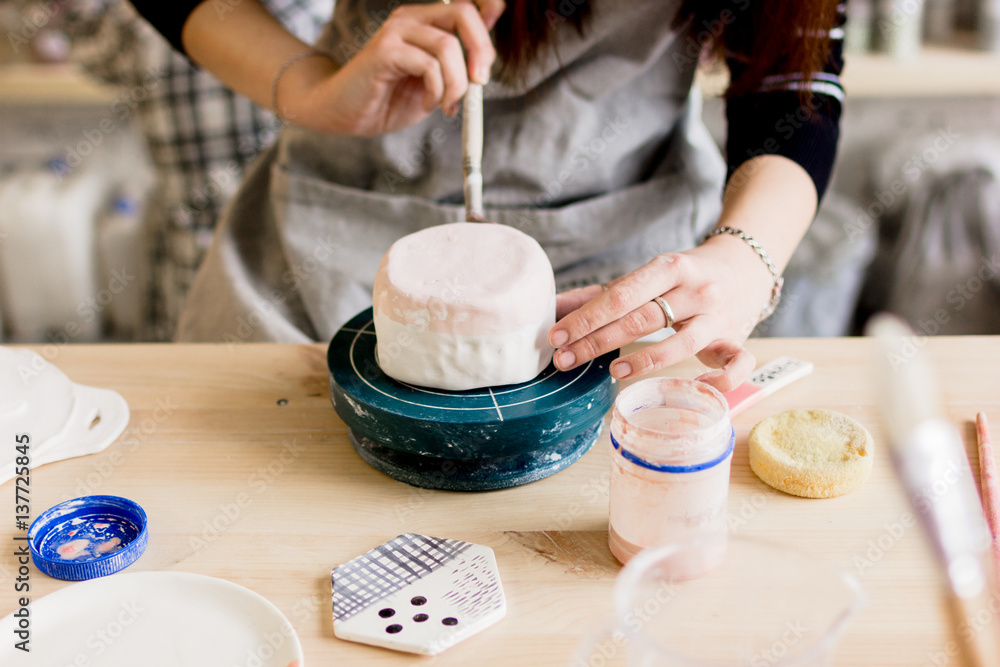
<point>672,445</point>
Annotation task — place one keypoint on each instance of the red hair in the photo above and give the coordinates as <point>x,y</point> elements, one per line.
<point>790,36</point>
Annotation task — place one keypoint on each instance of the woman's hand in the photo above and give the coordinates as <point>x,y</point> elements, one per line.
<point>421,58</point>
<point>716,292</point>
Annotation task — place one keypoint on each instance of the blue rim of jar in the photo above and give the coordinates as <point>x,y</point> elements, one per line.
<point>629,456</point>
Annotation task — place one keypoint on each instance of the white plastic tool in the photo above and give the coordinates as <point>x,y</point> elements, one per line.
<point>766,380</point>
<point>62,418</point>
<point>417,594</point>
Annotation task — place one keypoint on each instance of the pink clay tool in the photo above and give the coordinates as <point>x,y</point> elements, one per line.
<point>766,380</point>
<point>988,480</point>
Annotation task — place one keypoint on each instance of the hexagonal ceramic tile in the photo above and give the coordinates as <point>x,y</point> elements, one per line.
<point>417,594</point>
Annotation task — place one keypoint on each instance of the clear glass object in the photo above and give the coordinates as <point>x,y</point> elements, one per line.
<point>672,446</point>
<point>759,604</point>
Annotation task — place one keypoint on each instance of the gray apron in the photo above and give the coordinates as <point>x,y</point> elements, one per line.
<point>599,154</point>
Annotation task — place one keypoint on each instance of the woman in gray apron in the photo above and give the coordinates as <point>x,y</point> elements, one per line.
<point>597,151</point>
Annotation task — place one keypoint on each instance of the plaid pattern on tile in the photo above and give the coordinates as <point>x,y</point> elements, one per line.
<point>388,568</point>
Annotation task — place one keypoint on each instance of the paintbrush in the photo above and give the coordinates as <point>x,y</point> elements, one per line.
<point>989,483</point>
<point>472,153</point>
<point>929,458</point>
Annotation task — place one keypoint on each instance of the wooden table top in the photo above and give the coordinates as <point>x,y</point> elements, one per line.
<point>250,427</point>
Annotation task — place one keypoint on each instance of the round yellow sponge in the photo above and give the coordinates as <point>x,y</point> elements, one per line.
<point>811,453</point>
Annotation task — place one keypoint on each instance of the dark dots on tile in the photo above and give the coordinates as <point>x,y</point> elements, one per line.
<point>450,621</point>
<point>394,628</point>
<point>386,613</point>
<point>419,600</point>
<point>420,618</point>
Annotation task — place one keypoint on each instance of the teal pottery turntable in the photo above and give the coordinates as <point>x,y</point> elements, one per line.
<point>472,440</point>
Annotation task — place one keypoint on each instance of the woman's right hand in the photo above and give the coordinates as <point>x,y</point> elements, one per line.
<point>412,65</point>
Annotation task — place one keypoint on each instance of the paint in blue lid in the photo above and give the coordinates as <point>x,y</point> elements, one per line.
<point>88,537</point>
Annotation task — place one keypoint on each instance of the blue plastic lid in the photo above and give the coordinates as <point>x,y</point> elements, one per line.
<point>88,537</point>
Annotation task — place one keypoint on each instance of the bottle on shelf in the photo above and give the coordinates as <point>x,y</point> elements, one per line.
<point>939,21</point>
<point>988,22</point>
<point>122,258</point>
<point>47,273</point>
<point>899,27</point>
<point>859,26</point>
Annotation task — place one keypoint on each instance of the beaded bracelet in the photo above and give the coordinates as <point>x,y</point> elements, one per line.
<point>779,282</point>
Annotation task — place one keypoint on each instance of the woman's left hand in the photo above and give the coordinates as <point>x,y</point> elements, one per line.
<point>716,292</point>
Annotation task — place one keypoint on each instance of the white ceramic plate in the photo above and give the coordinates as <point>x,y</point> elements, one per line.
<point>64,419</point>
<point>154,619</point>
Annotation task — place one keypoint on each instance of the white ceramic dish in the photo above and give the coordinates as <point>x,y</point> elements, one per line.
<point>154,619</point>
<point>62,418</point>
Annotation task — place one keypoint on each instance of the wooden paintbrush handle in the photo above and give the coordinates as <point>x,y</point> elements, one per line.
<point>472,152</point>
<point>975,631</point>
<point>989,483</point>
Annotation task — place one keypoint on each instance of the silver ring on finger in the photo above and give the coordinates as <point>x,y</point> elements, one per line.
<point>668,312</point>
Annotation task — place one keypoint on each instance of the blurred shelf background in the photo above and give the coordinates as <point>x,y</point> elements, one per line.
<point>955,70</point>
<point>49,112</point>
<point>937,71</point>
<point>24,83</point>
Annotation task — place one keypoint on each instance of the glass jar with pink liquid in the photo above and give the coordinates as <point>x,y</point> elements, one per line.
<point>672,445</point>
